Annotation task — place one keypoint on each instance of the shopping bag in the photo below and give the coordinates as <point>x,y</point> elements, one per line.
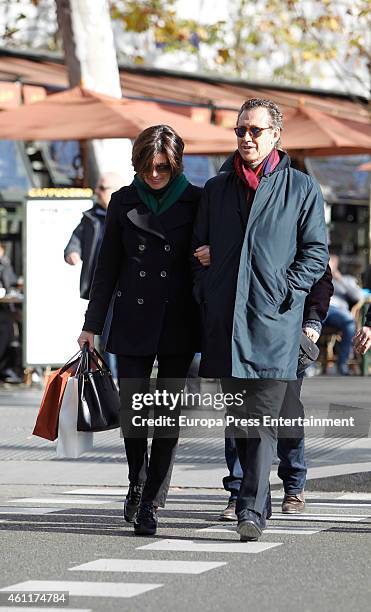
<point>46,425</point>
<point>71,443</point>
<point>99,400</point>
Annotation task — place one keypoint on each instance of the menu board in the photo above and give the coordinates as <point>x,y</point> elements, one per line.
<point>53,311</point>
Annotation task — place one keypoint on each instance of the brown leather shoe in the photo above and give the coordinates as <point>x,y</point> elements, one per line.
<point>293,504</point>
<point>229,513</point>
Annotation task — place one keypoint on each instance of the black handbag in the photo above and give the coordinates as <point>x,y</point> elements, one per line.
<point>99,400</point>
<point>308,353</point>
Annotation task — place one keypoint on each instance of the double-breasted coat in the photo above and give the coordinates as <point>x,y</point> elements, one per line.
<point>144,260</point>
<point>252,295</point>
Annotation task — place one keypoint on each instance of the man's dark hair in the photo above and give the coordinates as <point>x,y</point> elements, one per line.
<point>272,108</point>
<point>158,139</point>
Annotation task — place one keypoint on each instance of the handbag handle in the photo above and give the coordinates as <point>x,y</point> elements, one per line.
<point>70,362</point>
<point>87,355</point>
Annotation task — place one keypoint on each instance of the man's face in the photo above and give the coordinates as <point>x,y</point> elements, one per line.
<point>254,149</point>
<point>105,188</point>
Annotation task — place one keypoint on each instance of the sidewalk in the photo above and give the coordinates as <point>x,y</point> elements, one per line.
<point>335,464</point>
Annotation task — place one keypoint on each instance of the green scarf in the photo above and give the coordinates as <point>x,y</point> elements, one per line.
<point>160,202</point>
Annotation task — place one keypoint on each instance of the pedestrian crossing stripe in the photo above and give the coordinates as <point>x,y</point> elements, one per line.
<point>85,589</point>
<point>276,529</point>
<point>108,491</point>
<point>320,518</point>
<point>25,510</point>
<point>154,566</point>
<point>356,496</point>
<point>219,547</point>
<point>59,500</point>
<point>43,609</point>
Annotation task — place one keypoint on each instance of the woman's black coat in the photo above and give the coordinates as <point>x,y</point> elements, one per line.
<point>144,259</point>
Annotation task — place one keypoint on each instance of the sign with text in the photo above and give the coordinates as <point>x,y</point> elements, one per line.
<point>53,310</point>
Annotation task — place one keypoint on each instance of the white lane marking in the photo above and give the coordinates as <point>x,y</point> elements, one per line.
<point>277,529</point>
<point>58,500</point>
<point>25,510</point>
<point>33,609</point>
<point>106,492</point>
<point>338,505</point>
<point>219,547</point>
<point>85,589</point>
<point>356,496</point>
<point>322,518</point>
<point>153,566</point>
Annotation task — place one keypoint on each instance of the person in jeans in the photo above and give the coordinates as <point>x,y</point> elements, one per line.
<point>292,468</point>
<point>346,293</point>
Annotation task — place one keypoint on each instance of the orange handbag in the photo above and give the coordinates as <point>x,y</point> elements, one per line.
<point>46,425</point>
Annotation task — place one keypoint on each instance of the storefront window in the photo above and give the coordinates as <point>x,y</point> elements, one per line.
<point>14,178</point>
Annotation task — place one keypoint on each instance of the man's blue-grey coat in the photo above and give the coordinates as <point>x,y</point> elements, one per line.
<point>252,295</point>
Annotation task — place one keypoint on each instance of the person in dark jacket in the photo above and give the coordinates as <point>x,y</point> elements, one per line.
<point>362,339</point>
<point>264,222</point>
<point>290,448</point>
<point>8,279</point>
<point>86,238</point>
<point>144,258</point>
<point>84,246</point>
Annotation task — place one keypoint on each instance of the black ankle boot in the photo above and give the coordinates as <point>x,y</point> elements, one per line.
<point>132,502</point>
<point>146,520</point>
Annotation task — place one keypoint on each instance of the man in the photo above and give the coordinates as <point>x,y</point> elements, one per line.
<point>8,279</point>
<point>85,242</point>
<point>86,238</point>
<point>290,448</point>
<point>346,293</point>
<point>264,222</point>
<point>362,339</point>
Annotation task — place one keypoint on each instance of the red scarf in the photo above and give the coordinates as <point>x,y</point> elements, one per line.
<point>251,176</point>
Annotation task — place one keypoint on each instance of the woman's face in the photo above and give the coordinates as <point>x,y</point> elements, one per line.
<point>160,174</point>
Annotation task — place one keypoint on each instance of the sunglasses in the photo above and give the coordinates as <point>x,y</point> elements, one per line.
<point>253,130</point>
<point>160,169</point>
<point>104,188</point>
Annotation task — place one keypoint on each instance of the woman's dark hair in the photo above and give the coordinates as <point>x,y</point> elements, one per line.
<point>157,139</point>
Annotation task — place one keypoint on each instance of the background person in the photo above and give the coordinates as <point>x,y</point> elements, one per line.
<point>85,243</point>
<point>145,253</point>
<point>8,279</point>
<point>346,294</point>
<point>362,339</point>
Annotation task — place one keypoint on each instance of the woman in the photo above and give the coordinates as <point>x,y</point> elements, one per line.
<point>144,258</point>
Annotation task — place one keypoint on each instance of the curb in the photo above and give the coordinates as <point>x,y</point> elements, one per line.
<point>358,482</point>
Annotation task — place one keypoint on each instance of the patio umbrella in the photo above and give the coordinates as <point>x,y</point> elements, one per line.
<point>312,132</point>
<point>80,114</point>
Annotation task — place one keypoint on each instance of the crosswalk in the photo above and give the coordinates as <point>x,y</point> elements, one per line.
<point>209,547</point>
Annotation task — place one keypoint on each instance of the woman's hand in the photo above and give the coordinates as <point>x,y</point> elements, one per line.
<point>203,254</point>
<point>86,337</point>
<point>362,340</point>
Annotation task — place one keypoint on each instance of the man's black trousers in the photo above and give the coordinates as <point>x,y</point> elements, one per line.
<point>256,443</point>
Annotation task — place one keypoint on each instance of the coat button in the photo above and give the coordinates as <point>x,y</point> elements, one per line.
<point>167,247</point>
<point>163,273</point>
<point>142,273</point>
<point>119,294</point>
<point>141,247</point>
<point>140,301</point>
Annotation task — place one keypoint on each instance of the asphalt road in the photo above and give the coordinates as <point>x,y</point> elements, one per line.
<point>318,562</point>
